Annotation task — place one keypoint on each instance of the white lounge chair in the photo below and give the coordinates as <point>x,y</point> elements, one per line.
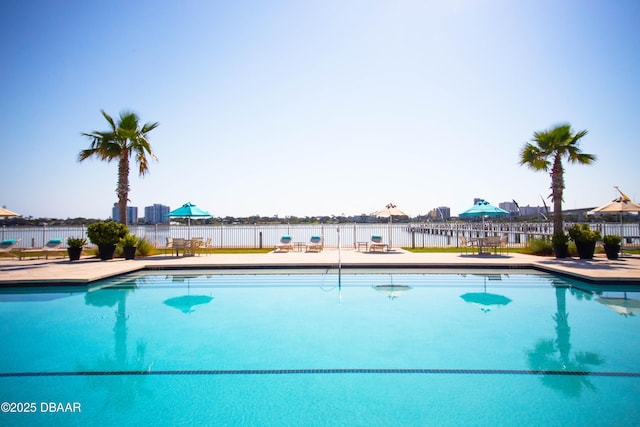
<point>52,247</point>
<point>6,246</point>
<point>315,244</point>
<point>285,245</point>
<point>377,244</point>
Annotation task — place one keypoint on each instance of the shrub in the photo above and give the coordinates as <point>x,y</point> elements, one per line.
<point>129,240</point>
<point>539,246</point>
<point>583,233</point>
<point>76,242</point>
<point>106,233</point>
<point>559,239</point>
<point>611,239</point>
<point>145,248</point>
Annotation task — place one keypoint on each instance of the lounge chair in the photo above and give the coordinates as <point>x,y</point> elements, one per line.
<point>52,247</point>
<point>315,244</point>
<point>285,245</point>
<point>376,244</point>
<point>6,246</point>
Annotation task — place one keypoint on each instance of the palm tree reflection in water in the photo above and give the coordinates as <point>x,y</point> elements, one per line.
<point>121,389</point>
<point>554,355</point>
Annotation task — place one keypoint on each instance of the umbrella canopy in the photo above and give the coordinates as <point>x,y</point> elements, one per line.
<point>618,205</point>
<point>6,213</point>
<point>483,208</point>
<point>189,210</point>
<point>389,211</point>
<point>486,301</point>
<point>621,204</point>
<point>392,291</point>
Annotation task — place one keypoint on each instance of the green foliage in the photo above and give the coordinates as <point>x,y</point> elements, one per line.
<point>106,233</point>
<point>129,240</point>
<point>611,239</point>
<point>76,242</point>
<point>583,233</point>
<point>559,239</point>
<point>540,246</point>
<point>145,248</point>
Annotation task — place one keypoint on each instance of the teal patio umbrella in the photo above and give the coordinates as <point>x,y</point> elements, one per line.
<point>189,210</point>
<point>482,208</point>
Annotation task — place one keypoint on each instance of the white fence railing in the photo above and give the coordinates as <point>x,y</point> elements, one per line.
<point>267,235</point>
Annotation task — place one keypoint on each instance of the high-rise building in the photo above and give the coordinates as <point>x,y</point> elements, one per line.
<point>156,214</point>
<point>442,212</point>
<point>510,207</point>
<point>132,214</point>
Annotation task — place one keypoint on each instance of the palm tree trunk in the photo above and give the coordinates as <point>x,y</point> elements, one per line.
<point>557,188</point>
<point>123,186</point>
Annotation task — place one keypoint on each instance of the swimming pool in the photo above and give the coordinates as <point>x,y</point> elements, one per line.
<point>370,347</point>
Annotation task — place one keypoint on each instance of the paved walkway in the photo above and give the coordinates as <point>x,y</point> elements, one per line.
<point>62,271</point>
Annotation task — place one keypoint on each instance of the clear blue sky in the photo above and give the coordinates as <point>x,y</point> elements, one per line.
<point>316,107</point>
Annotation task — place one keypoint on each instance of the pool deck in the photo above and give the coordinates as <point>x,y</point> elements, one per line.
<point>14,272</point>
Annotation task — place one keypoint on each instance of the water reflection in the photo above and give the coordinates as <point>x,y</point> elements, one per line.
<point>549,354</point>
<point>37,294</point>
<point>622,299</point>
<point>392,291</point>
<point>486,301</point>
<point>624,306</point>
<point>121,388</point>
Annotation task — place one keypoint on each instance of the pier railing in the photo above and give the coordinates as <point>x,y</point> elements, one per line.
<point>416,235</point>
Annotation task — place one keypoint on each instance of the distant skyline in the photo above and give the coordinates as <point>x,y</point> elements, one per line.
<point>317,108</point>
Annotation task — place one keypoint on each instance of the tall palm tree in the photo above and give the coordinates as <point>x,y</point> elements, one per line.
<point>546,151</point>
<point>125,139</point>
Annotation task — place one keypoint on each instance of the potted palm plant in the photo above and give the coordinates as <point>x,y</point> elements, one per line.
<point>560,243</point>
<point>74,247</point>
<point>585,239</point>
<point>129,245</point>
<point>106,235</point>
<point>612,245</point>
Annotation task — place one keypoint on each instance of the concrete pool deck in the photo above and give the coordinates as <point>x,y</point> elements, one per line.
<point>14,272</point>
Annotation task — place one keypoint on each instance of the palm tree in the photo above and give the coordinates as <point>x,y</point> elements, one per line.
<point>546,151</point>
<point>125,139</point>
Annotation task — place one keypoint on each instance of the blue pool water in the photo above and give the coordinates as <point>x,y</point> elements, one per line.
<point>510,347</point>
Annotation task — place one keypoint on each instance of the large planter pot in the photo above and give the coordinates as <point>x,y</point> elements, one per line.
<point>586,249</point>
<point>106,251</point>
<point>74,253</point>
<point>612,251</point>
<point>561,250</point>
<point>129,252</point>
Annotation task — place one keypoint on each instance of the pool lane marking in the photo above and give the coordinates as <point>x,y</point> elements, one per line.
<point>321,371</point>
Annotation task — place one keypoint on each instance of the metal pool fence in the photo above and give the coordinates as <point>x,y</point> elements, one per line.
<point>414,235</point>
